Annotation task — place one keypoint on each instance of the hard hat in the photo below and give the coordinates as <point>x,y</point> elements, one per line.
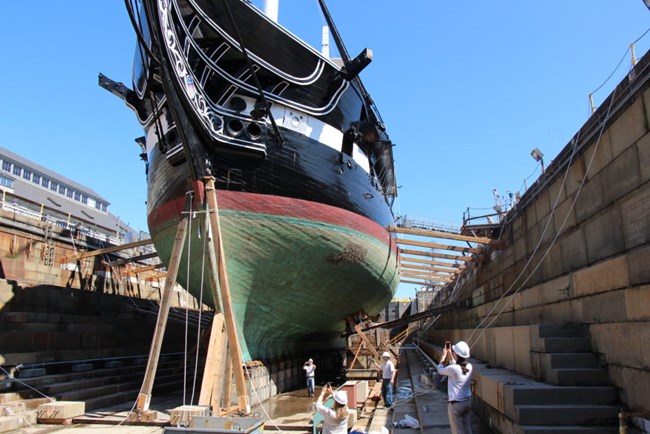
<point>462,349</point>
<point>341,397</point>
<point>386,354</point>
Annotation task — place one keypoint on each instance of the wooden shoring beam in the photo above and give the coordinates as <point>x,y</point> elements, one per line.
<point>113,249</point>
<point>147,268</point>
<point>445,235</point>
<point>422,282</point>
<point>159,275</point>
<point>427,277</point>
<point>435,255</point>
<point>215,367</point>
<point>131,259</point>
<point>420,267</point>
<point>436,246</point>
<point>426,261</point>
<point>425,274</point>
<point>217,258</point>
<point>144,397</point>
<point>363,337</point>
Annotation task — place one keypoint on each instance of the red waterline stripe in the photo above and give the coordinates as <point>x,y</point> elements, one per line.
<point>277,205</point>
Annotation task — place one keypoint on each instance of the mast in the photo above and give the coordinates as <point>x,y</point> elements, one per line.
<point>271,8</point>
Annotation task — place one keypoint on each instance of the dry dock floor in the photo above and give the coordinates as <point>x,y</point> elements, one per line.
<point>292,412</point>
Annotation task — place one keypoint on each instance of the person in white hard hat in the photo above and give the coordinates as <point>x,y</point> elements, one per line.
<point>388,372</point>
<point>310,371</point>
<point>336,418</point>
<point>454,365</point>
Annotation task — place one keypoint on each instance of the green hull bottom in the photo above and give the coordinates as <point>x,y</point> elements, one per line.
<point>292,280</point>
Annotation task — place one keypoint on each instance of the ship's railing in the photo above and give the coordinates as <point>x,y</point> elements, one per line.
<point>429,225</point>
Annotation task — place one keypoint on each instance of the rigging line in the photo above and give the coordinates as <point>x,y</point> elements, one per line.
<point>620,62</point>
<point>142,43</point>
<point>260,89</point>
<point>532,255</point>
<point>558,231</point>
<point>259,400</point>
<point>198,330</point>
<point>187,290</point>
<point>368,103</point>
<point>26,385</point>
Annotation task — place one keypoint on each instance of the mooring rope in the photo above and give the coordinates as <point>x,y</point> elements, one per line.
<point>541,237</point>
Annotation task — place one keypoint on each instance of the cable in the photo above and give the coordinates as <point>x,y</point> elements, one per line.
<point>187,289</point>
<point>26,385</point>
<point>259,401</point>
<point>619,63</point>
<point>558,231</point>
<point>198,330</point>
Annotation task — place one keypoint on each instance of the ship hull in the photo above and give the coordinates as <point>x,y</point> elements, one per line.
<point>296,269</point>
<point>301,255</point>
<point>301,162</point>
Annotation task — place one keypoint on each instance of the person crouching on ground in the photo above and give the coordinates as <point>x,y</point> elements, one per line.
<point>336,419</point>
<point>454,365</point>
<point>388,372</point>
<point>310,371</point>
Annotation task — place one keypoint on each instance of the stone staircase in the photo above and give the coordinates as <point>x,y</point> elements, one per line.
<point>100,387</point>
<point>570,392</point>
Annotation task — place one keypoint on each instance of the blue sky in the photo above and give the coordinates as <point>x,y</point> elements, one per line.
<point>467,90</point>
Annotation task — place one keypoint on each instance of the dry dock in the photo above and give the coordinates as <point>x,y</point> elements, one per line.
<point>292,412</point>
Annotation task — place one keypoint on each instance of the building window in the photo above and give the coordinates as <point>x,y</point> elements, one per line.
<point>6,182</point>
<point>98,205</point>
<point>69,193</point>
<point>27,174</point>
<point>36,179</point>
<point>54,186</point>
<point>104,208</point>
<point>77,196</point>
<point>45,183</point>
<point>84,199</point>
<point>61,189</point>
<point>6,166</point>
<point>17,170</point>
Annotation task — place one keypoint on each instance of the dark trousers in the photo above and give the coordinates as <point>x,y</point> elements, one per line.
<point>387,392</point>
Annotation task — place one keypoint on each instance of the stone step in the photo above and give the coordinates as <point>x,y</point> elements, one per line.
<point>130,394</point>
<point>56,384</point>
<point>567,344</point>
<point>560,330</point>
<point>559,415</point>
<point>566,430</point>
<point>571,360</point>
<point>561,395</point>
<point>578,377</point>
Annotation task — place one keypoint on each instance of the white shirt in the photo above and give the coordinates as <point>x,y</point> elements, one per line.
<point>387,369</point>
<point>458,387</point>
<point>309,370</point>
<point>332,425</point>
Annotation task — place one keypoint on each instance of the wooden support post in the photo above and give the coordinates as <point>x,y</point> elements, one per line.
<point>144,397</point>
<point>356,355</point>
<point>224,292</point>
<point>213,372</point>
<point>363,337</point>
<point>227,385</point>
